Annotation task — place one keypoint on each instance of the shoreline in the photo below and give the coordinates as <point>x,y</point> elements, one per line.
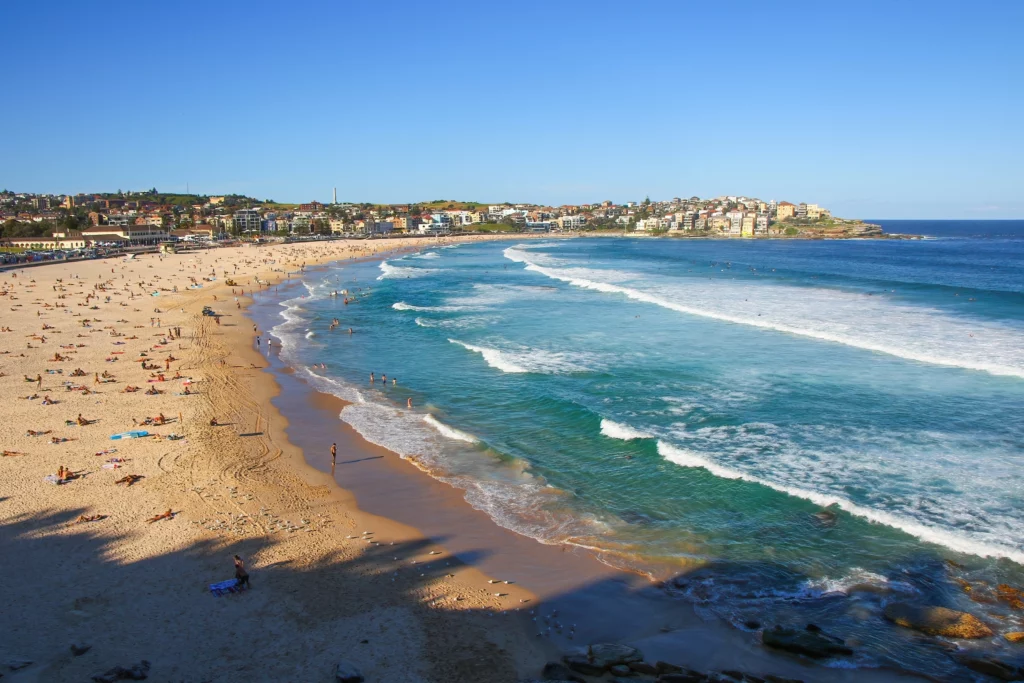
<point>324,590</point>
<point>615,605</point>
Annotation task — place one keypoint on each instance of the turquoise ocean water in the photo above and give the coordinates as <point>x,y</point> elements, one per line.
<point>793,430</point>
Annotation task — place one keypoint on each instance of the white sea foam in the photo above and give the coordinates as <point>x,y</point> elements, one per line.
<point>922,335</point>
<point>616,430</point>
<point>389,270</point>
<point>517,359</point>
<point>855,578</point>
<point>950,539</point>
<point>449,431</point>
<point>494,357</point>
<point>428,255</point>
<point>461,323</point>
<point>402,306</point>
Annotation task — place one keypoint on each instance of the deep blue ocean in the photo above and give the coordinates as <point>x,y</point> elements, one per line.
<point>797,430</point>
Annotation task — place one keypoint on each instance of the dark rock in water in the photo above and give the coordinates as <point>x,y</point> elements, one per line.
<point>346,672</point>
<point>643,668</point>
<point>816,645</point>
<point>15,664</point>
<point>666,668</point>
<point>937,621</point>
<point>139,672</point>
<point>752,624</point>
<point>995,668</point>
<point>556,671</point>
<point>772,678</point>
<point>683,677</point>
<point>581,664</point>
<point>620,670</point>
<point>79,650</point>
<point>610,654</point>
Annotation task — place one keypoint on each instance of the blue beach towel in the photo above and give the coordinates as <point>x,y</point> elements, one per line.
<point>229,586</point>
<point>133,434</point>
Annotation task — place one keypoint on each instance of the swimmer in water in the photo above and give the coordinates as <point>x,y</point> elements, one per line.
<point>408,403</point>
<point>371,378</point>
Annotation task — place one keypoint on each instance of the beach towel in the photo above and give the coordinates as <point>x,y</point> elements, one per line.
<point>133,434</point>
<point>229,586</point>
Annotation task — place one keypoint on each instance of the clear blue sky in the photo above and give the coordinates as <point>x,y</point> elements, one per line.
<point>873,109</point>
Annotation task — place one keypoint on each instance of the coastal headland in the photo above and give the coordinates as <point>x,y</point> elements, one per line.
<point>111,544</point>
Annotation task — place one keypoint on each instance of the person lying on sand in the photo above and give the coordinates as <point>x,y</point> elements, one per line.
<point>130,389</point>
<point>33,432</point>
<point>163,515</point>
<point>47,401</point>
<point>58,440</point>
<point>129,479</point>
<point>153,391</point>
<point>88,518</point>
<point>10,453</point>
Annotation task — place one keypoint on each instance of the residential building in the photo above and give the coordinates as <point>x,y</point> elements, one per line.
<point>572,222</point>
<point>735,222</point>
<point>785,210</point>
<point>747,226</point>
<point>248,220</point>
<point>761,224</point>
<point>801,211</point>
<point>815,212</point>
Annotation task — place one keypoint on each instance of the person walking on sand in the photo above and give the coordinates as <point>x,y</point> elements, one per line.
<point>241,575</point>
<point>334,454</point>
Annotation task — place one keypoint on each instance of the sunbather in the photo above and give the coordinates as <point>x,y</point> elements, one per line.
<point>163,515</point>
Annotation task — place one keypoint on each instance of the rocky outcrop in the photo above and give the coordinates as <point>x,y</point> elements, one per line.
<point>810,642</point>
<point>937,621</point>
<point>610,654</point>
<point>346,672</point>
<point>556,671</point>
<point>1015,637</point>
<point>582,664</point>
<point>139,672</point>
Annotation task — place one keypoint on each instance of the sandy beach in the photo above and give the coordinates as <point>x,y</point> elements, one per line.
<point>84,566</point>
<point>111,564</point>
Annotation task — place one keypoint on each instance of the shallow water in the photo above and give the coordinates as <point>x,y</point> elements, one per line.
<point>694,407</point>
